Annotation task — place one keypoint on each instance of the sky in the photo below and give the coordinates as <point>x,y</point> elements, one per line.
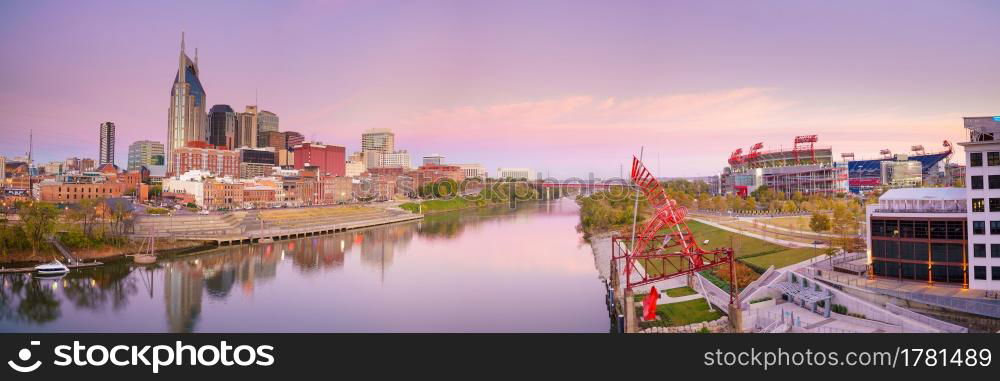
<point>566,88</point>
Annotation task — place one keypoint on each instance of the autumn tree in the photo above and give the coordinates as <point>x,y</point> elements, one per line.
<point>38,221</point>
<point>819,222</point>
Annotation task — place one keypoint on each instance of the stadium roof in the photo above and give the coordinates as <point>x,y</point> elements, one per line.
<point>924,194</point>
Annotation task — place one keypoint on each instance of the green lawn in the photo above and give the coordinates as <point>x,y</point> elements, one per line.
<point>673,293</point>
<point>683,313</point>
<point>784,258</point>
<point>718,238</point>
<point>756,251</point>
<point>437,205</point>
<point>680,291</point>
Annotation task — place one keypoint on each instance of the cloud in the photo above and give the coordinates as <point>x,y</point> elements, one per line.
<point>690,133</point>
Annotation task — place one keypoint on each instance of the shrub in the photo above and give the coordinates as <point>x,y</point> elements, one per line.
<point>840,309</point>
<point>157,211</point>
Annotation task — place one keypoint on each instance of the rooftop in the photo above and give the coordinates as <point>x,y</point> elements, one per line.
<point>929,194</point>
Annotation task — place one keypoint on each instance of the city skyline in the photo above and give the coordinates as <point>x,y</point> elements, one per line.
<point>559,87</point>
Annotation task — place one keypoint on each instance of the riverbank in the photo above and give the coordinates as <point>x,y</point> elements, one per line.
<point>105,253</point>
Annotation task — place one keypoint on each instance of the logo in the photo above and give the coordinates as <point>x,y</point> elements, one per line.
<point>25,355</point>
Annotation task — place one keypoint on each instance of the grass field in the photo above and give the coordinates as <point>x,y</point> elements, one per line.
<point>757,251</point>
<point>431,206</point>
<point>680,291</point>
<point>683,313</point>
<point>784,258</point>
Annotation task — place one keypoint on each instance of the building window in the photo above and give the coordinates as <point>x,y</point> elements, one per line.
<point>976,159</point>
<point>994,250</point>
<point>977,205</point>
<point>995,204</point>
<point>993,159</point>
<point>994,181</point>
<point>980,272</point>
<point>977,182</point>
<point>978,227</point>
<point>994,227</point>
<point>996,272</point>
<point>979,250</point>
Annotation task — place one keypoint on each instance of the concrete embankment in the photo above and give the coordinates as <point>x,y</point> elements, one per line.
<point>273,224</point>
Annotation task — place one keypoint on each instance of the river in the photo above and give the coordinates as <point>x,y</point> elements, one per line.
<point>484,270</point>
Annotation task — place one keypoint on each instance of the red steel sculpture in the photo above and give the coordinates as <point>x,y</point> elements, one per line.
<point>664,256</point>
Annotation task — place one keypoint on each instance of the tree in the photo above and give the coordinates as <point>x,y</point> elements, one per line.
<point>845,223</point>
<point>84,213</point>
<point>38,221</point>
<point>819,222</point>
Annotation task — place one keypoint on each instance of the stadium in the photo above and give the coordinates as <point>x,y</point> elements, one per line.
<point>805,168</point>
<point>812,169</point>
<point>865,175</point>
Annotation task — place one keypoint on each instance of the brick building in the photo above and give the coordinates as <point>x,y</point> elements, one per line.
<point>206,157</point>
<point>329,159</point>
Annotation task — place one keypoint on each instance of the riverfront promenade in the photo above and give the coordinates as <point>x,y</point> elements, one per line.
<point>240,227</point>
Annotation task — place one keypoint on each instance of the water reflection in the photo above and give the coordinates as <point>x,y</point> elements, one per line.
<point>341,282</point>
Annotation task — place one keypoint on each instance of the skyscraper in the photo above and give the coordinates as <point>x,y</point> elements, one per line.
<point>186,115</point>
<point>145,153</point>
<point>107,153</point>
<point>222,126</point>
<point>378,139</point>
<point>246,135</point>
<point>266,122</point>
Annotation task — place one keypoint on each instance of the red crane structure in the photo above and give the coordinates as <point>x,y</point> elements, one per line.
<point>655,256</point>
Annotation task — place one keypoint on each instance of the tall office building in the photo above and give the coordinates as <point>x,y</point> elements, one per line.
<point>378,139</point>
<point>186,115</point>
<point>246,132</point>
<point>145,153</point>
<point>982,181</point>
<point>222,126</point>
<point>266,122</point>
<point>107,153</point>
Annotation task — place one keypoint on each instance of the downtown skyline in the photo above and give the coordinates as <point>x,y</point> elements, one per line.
<point>565,88</point>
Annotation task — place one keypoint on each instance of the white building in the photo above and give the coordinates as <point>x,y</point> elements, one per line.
<point>191,182</point>
<point>982,181</point>
<point>516,173</point>
<point>472,170</point>
<point>433,159</point>
<point>354,168</point>
<point>396,159</point>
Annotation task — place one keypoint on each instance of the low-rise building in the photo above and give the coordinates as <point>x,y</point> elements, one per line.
<point>223,193</point>
<point>920,234</point>
<point>472,171</point>
<point>516,173</point>
<point>51,191</point>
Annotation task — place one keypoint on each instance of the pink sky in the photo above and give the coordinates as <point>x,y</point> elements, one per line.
<point>564,87</point>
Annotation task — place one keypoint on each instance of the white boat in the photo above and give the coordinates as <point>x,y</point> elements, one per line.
<point>52,268</point>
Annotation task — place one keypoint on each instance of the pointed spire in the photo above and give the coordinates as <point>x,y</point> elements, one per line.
<point>195,58</point>
<point>182,41</point>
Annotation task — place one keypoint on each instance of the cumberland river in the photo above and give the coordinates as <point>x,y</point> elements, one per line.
<point>486,270</point>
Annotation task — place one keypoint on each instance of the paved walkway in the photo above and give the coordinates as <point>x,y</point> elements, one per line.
<point>776,227</point>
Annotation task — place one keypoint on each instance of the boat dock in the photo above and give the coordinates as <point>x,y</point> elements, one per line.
<point>14,270</point>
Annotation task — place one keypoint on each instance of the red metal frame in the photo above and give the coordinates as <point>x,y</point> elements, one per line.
<point>667,255</point>
<point>805,143</point>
